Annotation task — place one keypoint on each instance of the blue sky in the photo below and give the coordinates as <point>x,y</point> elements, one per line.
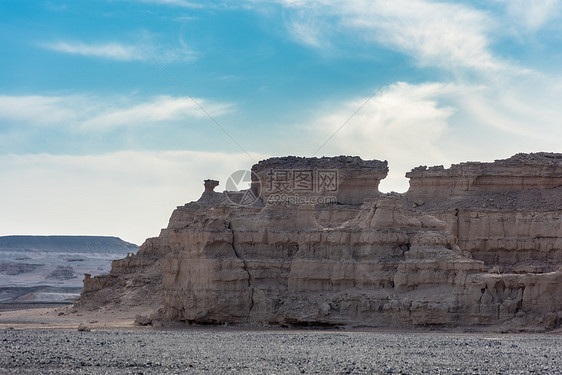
<point>96,138</point>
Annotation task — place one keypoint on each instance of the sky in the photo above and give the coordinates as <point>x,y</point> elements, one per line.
<point>113,112</point>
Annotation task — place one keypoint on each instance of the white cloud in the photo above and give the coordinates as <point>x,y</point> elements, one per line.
<point>38,109</point>
<point>160,109</point>
<point>524,108</point>
<point>87,112</point>
<point>113,51</point>
<point>128,194</point>
<point>308,29</point>
<point>143,51</point>
<point>402,124</point>
<point>436,33</point>
<point>533,15</point>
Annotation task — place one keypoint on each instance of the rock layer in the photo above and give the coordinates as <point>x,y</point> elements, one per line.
<point>453,250</point>
<point>349,179</point>
<point>519,173</point>
<point>506,213</point>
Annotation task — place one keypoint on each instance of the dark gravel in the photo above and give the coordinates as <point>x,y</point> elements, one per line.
<point>275,352</point>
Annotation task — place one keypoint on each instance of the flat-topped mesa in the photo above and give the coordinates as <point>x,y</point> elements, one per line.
<point>520,172</point>
<point>340,179</point>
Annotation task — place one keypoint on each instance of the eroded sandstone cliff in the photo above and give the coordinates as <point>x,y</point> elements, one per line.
<point>506,213</point>
<point>476,244</point>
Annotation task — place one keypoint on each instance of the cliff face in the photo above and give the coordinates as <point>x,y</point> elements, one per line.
<point>506,213</point>
<point>521,172</point>
<point>347,179</point>
<point>465,246</point>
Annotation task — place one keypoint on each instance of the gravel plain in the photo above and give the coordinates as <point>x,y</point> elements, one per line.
<point>228,351</point>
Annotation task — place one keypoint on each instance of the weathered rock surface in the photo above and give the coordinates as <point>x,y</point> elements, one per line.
<point>347,178</point>
<point>521,172</point>
<point>506,216</point>
<point>470,245</point>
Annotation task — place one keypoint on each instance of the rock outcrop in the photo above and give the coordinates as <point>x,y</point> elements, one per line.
<point>346,179</point>
<point>509,215</point>
<point>521,172</point>
<point>469,245</point>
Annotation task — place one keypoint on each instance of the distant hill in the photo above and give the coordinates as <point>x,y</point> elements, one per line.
<point>38,269</point>
<point>67,244</point>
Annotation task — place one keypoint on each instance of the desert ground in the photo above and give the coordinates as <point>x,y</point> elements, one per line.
<point>61,316</point>
<point>47,340</point>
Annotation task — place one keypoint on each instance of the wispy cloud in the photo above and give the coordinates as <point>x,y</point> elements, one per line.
<point>113,51</point>
<point>308,28</point>
<point>158,110</point>
<point>403,123</point>
<point>533,15</point>
<point>37,109</point>
<point>143,51</point>
<point>435,33</point>
<point>89,113</point>
<point>446,35</point>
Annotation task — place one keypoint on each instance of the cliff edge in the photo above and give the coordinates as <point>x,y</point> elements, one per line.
<point>314,242</point>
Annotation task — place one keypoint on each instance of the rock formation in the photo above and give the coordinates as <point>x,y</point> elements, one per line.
<point>349,179</point>
<point>506,213</point>
<point>475,244</point>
